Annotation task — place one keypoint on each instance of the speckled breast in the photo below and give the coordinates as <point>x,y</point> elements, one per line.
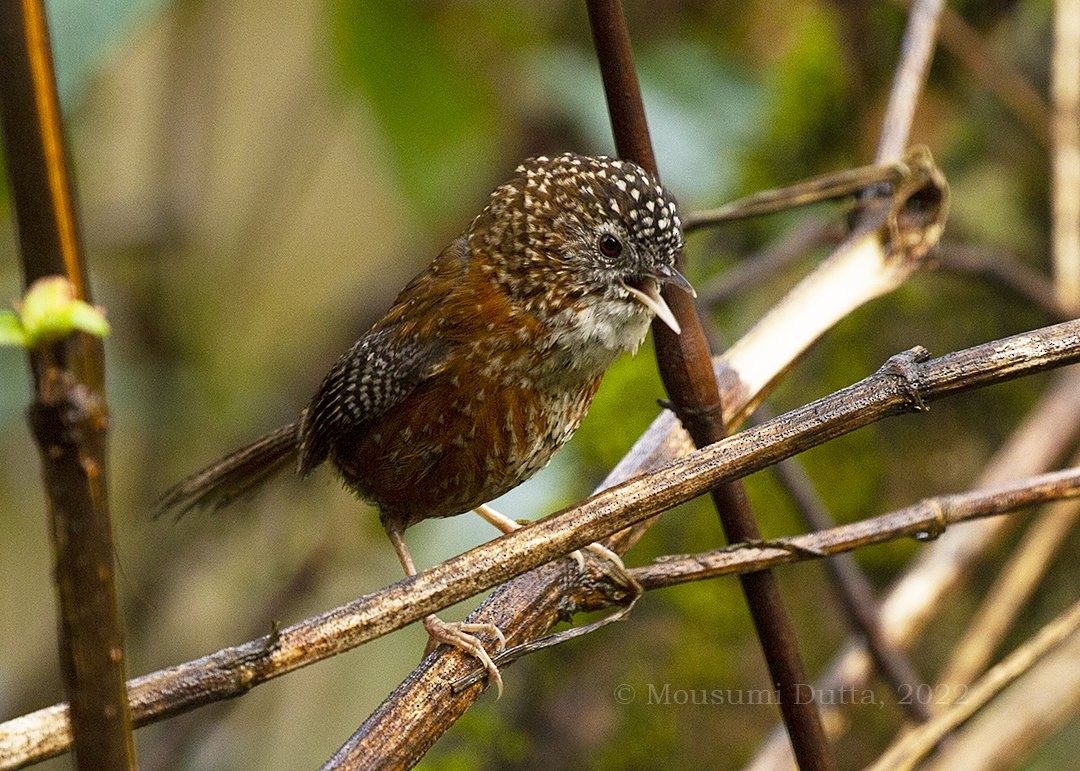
<point>451,445</point>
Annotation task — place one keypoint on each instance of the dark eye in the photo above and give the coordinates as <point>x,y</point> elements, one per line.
<point>609,245</point>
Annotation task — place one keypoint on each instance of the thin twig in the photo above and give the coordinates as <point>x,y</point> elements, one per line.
<point>1016,724</point>
<point>901,385</point>
<point>923,521</point>
<point>958,38</point>
<point>824,187</point>
<point>68,415</point>
<point>1005,271</point>
<point>1010,594</point>
<point>920,742</point>
<point>917,49</point>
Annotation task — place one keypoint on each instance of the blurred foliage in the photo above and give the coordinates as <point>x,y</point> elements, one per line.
<point>258,180</point>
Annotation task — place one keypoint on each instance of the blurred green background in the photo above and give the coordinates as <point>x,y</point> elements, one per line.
<point>258,179</point>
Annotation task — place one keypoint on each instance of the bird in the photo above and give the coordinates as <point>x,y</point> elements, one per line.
<point>487,361</point>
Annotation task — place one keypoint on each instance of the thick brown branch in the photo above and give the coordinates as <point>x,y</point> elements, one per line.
<point>687,372</point>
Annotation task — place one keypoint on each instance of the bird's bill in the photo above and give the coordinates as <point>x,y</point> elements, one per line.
<point>649,296</point>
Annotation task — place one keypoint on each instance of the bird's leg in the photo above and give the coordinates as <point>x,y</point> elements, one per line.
<point>616,569</point>
<point>459,634</point>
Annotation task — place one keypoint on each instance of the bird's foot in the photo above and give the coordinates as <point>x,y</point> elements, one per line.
<point>462,635</point>
<point>614,568</point>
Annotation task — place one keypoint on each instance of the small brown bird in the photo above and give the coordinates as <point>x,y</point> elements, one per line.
<point>487,361</point>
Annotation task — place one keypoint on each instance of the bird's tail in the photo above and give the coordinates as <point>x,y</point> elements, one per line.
<point>229,478</point>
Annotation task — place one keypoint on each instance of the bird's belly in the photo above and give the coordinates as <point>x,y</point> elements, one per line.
<point>447,449</point>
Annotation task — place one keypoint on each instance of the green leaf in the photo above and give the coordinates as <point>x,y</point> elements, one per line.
<point>50,311</point>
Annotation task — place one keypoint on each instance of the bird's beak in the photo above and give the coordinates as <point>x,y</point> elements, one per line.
<point>648,294</point>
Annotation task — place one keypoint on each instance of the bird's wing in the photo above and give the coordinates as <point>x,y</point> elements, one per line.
<point>375,374</point>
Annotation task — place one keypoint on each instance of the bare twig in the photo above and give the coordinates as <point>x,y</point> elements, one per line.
<point>69,415</point>
<point>918,743</point>
<point>824,187</point>
<point>1005,271</point>
<point>1016,93</point>
<point>902,385</point>
<point>1016,723</point>
<point>923,521</point>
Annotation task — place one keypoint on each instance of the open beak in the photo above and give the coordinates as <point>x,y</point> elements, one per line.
<point>648,294</point>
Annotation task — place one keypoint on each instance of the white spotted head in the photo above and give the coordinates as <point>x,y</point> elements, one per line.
<point>574,227</point>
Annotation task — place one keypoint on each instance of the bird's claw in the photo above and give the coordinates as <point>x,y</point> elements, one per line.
<point>462,635</point>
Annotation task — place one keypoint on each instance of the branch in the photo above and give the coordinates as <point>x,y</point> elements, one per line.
<point>68,415</point>
<point>1021,720</point>
<point>1011,593</point>
<point>832,186</point>
<point>1005,271</point>
<point>1016,93</point>
<point>917,49</point>
<point>923,521</point>
<point>904,384</point>
<point>1065,155</point>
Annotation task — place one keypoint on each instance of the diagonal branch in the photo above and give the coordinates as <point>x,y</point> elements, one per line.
<point>922,521</point>
<point>902,385</point>
<point>914,746</point>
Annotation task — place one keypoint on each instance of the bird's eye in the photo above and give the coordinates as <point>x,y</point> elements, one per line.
<point>609,245</point>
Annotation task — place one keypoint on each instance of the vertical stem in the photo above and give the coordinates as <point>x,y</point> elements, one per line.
<point>1065,157</point>
<point>686,368</point>
<point>69,415</point>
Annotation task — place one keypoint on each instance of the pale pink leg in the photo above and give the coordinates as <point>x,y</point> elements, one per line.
<point>457,633</point>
